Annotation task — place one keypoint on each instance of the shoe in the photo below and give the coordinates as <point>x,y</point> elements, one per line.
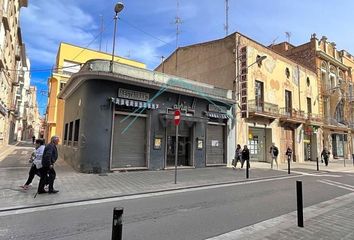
<point>41,192</point>
<point>53,191</point>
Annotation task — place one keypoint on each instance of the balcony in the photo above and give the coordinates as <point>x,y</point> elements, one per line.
<point>292,115</point>
<point>18,53</point>
<point>314,119</point>
<point>5,20</point>
<point>262,109</point>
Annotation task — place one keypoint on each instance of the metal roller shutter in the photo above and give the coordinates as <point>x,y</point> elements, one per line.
<point>215,145</point>
<point>129,146</point>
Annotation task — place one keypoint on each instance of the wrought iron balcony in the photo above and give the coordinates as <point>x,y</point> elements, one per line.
<point>311,117</point>
<point>263,108</point>
<point>292,115</point>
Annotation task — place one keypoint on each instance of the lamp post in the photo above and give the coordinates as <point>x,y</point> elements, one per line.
<point>118,8</point>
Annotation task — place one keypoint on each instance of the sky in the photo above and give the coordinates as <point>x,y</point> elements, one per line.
<point>146,29</point>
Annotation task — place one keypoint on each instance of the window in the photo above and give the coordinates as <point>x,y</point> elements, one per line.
<point>62,85</point>
<point>288,103</point>
<point>66,133</point>
<point>287,72</point>
<point>308,81</point>
<point>309,106</point>
<point>340,112</point>
<point>71,126</point>
<point>76,132</point>
<point>259,95</point>
<point>2,35</point>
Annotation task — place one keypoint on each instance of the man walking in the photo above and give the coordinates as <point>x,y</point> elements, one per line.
<point>274,152</point>
<point>50,155</point>
<point>325,154</point>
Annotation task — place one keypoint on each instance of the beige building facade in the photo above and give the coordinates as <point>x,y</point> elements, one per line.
<point>276,97</point>
<point>12,58</point>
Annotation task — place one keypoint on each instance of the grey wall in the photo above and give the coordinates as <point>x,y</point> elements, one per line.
<point>95,114</point>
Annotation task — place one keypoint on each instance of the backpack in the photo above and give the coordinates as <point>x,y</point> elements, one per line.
<point>275,151</point>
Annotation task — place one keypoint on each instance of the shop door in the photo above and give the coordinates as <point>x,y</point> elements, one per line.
<point>256,144</point>
<point>215,145</point>
<point>129,144</point>
<point>287,140</point>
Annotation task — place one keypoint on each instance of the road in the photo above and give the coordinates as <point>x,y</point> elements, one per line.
<point>186,214</point>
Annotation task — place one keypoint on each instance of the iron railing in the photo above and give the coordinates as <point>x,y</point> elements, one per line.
<point>263,107</point>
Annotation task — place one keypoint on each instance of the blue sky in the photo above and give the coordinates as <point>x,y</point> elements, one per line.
<point>146,30</point>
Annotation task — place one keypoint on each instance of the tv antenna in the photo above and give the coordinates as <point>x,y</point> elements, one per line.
<point>288,35</point>
<point>226,26</point>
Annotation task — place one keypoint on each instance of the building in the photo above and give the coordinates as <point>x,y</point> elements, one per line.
<point>276,96</point>
<point>69,60</point>
<point>334,71</point>
<point>31,121</point>
<point>12,58</point>
<point>122,119</point>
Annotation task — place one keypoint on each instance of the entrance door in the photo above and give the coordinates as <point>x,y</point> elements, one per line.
<point>287,140</point>
<point>215,145</point>
<point>184,148</point>
<point>129,142</point>
<point>256,144</point>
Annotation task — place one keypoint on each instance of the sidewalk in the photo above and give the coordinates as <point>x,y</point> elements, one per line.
<point>332,219</point>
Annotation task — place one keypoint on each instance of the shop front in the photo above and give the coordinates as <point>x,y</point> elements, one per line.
<point>127,123</point>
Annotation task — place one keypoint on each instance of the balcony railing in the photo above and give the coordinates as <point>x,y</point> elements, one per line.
<point>263,108</point>
<point>335,122</point>
<point>314,117</point>
<point>291,113</point>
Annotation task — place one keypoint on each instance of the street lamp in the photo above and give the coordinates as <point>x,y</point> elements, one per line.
<point>118,8</point>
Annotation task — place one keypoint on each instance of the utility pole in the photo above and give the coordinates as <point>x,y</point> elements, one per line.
<point>101,30</point>
<point>227,17</point>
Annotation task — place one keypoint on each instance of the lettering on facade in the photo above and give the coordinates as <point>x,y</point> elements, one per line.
<point>217,108</point>
<point>243,82</point>
<point>135,95</point>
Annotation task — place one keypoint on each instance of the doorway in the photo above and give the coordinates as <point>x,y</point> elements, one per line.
<point>184,147</point>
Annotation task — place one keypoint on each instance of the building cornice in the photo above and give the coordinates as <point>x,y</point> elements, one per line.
<point>325,56</point>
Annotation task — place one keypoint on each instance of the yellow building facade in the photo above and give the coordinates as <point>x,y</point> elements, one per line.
<point>69,60</point>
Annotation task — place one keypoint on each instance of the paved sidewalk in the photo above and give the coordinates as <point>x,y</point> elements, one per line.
<point>332,220</point>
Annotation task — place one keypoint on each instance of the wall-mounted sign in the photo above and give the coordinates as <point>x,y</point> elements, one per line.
<point>200,143</point>
<point>133,103</point>
<point>157,142</point>
<point>243,82</point>
<point>215,143</point>
<point>130,94</point>
<point>217,108</point>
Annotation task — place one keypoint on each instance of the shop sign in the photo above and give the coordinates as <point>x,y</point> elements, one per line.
<point>217,108</point>
<point>135,95</point>
<point>242,78</point>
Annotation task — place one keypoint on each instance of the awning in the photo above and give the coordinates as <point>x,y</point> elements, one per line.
<point>134,103</point>
<point>216,115</point>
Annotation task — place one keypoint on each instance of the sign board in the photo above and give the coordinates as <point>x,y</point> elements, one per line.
<point>243,82</point>
<point>130,94</point>
<point>217,108</point>
<point>177,117</point>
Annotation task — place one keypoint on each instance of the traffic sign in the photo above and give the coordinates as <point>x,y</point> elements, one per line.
<point>177,117</point>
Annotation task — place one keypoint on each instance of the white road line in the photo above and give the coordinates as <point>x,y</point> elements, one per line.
<point>336,185</point>
<point>90,202</point>
<point>316,174</point>
<point>339,183</point>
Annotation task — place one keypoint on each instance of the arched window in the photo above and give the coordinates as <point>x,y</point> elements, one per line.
<point>340,77</point>
<point>340,112</point>
<point>332,77</point>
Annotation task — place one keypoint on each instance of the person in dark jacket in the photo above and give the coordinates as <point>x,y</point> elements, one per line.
<point>325,155</point>
<point>50,155</point>
<point>246,156</point>
<point>288,153</point>
<point>238,156</point>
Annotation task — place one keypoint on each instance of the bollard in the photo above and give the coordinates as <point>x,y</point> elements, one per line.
<point>318,168</point>
<point>247,168</point>
<point>117,224</point>
<point>353,159</point>
<point>289,159</point>
<point>300,213</point>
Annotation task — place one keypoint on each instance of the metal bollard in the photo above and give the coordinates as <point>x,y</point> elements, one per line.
<point>300,213</point>
<point>117,225</point>
<point>247,168</point>
<point>289,159</point>
<point>318,168</point>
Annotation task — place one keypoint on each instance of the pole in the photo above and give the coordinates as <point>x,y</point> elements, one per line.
<point>114,39</point>
<point>247,168</point>
<point>117,225</point>
<point>289,158</point>
<point>300,214</point>
<point>318,168</point>
<point>176,154</point>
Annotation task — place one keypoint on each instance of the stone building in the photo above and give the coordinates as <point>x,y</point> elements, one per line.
<point>277,97</point>
<point>334,72</point>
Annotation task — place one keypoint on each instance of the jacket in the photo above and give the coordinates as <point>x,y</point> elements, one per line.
<point>39,155</point>
<point>50,155</point>
<point>245,154</point>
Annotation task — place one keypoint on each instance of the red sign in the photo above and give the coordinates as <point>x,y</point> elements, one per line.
<point>177,117</point>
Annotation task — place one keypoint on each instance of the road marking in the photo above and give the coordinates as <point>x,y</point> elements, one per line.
<point>337,184</point>
<point>137,196</point>
<point>317,174</point>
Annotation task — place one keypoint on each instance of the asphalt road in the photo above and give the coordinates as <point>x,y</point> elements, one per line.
<point>197,214</point>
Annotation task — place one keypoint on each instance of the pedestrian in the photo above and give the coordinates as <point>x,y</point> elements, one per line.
<point>36,160</point>
<point>33,139</point>
<point>238,156</point>
<point>274,152</point>
<point>288,153</point>
<point>50,155</point>
<point>325,155</point>
<point>246,156</point>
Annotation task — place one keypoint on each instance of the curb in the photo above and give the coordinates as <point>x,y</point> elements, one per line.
<point>142,193</point>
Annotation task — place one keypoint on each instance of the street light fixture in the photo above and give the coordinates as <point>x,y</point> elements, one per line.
<point>118,8</point>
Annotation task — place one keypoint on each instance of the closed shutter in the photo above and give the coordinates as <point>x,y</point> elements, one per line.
<point>215,151</point>
<point>129,146</point>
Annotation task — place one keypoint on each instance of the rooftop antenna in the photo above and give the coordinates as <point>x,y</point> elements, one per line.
<point>273,42</point>
<point>226,26</point>
<point>177,22</point>
<point>101,30</point>
<point>288,35</point>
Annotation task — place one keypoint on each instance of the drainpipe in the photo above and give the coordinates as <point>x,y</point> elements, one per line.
<point>298,80</point>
